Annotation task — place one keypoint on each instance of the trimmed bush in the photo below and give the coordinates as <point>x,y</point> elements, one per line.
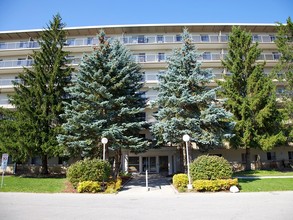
<point>214,185</point>
<point>180,181</point>
<point>88,170</point>
<point>89,187</point>
<point>114,186</point>
<point>210,168</point>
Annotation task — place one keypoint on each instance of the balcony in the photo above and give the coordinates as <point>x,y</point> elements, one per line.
<point>15,63</point>
<point>207,57</point>
<point>136,39</point>
<point>7,84</point>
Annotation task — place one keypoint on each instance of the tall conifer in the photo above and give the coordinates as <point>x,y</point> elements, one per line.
<point>186,105</point>
<point>105,103</point>
<point>251,96</point>
<point>39,96</point>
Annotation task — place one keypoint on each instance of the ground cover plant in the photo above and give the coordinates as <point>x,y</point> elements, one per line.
<point>266,185</point>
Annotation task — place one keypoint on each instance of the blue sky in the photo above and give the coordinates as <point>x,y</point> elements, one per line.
<point>34,14</point>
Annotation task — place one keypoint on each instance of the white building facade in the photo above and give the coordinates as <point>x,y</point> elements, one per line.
<point>151,45</point>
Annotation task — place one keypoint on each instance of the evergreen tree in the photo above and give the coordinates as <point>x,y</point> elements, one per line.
<point>250,96</point>
<point>186,105</point>
<point>39,96</point>
<point>9,136</point>
<point>105,103</point>
<point>284,43</point>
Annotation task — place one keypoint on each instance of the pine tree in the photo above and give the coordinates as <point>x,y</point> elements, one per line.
<point>250,96</point>
<point>186,105</point>
<point>284,42</point>
<point>105,103</point>
<point>39,96</point>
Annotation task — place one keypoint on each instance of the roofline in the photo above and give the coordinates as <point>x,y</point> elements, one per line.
<point>145,25</point>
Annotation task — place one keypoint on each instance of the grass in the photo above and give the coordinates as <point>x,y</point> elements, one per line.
<point>263,173</point>
<point>34,185</point>
<point>265,185</point>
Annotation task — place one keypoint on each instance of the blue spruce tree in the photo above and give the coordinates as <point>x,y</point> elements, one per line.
<point>186,105</point>
<point>105,103</point>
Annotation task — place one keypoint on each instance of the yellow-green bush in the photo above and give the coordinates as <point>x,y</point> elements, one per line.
<point>89,187</point>
<point>180,180</point>
<point>214,185</point>
<point>113,186</point>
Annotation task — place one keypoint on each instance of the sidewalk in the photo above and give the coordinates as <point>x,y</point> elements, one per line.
<point>157,184</point>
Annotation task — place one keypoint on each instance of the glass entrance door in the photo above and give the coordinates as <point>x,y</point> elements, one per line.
<point>149,163</point>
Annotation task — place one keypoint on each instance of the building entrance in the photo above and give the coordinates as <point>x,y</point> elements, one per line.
<point>149,163</point>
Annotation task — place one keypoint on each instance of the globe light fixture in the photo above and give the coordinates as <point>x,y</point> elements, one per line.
<point>104,142</point>
<point>186,139</point>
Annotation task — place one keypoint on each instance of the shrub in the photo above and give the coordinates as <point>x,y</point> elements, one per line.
<point>210,168</point>
<point>88,170</point>
<point>180,181</point>
<point>89,187</point>
<point>214,185</point>
<point>114,186</point>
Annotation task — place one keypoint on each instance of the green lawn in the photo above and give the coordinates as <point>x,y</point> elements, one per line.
<point>36,185</point>
<point>262,185</point>
<point>263,173</point>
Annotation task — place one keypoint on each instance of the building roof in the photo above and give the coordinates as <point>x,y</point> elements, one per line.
<point>143,28</point>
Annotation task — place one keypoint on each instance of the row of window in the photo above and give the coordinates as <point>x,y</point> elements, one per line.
<point>271,156</point>
<point>138,39</point>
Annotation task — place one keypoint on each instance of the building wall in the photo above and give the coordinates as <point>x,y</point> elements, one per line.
<point>150,45</point>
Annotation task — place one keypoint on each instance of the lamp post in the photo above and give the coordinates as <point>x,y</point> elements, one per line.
<point>186,139</point>
<point>104,142</point>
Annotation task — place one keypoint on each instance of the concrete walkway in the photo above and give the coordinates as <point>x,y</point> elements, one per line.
<point>157,184</point>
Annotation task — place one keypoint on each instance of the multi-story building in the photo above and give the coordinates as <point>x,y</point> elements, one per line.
<point>151,45</point>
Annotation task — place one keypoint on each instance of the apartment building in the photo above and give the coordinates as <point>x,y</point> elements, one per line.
<point>151,45</point>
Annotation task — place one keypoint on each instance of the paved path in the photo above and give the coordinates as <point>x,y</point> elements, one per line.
<point>157,184</point>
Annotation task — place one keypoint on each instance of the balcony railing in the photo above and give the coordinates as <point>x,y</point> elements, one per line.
<point>146,58</point>
<point>8,82</point>
<point>143,39</point>
<point>15,63</point>
<point>19,45</point>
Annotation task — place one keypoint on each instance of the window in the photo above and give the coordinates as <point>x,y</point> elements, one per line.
<point>161,57</point>
<point>273,38</point>
<point>160,38</point>
<point>243,158</point>
<point>70,41</point>
<point>271,155</point>
<point>141,57</point>
<point>178,38</point>
<point>207,56</point>
<point>290,155</point>
<point>133,164</point>
<point>255,38</point>
<point>276,55</point>
<point>204,38</point>
<point>141,39</point>
<point>90,40</point>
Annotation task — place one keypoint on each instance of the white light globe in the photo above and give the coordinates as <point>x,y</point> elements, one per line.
<point>104,140</point>
<point>186,138</point>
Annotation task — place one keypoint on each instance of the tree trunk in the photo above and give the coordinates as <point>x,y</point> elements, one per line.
<point>247,158</point>
<point>44,169</point>
<point>117,163</point>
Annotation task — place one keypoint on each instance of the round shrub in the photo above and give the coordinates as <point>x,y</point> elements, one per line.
<point>210,168</point>
<point>88,170</point>
<point>180,180</point>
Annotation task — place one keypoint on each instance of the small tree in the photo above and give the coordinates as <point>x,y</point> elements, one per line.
<point>251,96</point>
<point>105,103</point>
<point>39,96</point>
<point>186,105</point>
